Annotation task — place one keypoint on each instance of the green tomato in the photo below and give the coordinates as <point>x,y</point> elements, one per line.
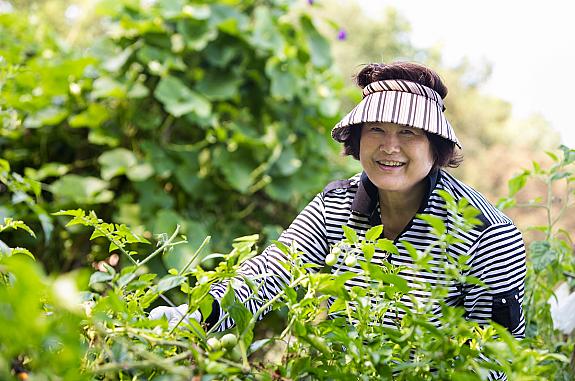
<point>350,260</point>
<point>214,344</point>
<point>336,251</point>
<point>229,340</point>
<point>330,259</point>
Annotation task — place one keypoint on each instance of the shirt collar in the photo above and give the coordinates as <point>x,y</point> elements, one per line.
<point>366,200</point>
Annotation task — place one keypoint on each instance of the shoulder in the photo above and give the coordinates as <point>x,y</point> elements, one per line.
<point>341,186</point>
<point>489,214</point>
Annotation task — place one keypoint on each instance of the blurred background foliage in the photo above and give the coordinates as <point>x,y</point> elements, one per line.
<point>210,114</point>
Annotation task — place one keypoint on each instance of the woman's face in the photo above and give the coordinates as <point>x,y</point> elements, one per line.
<point>395,158</point>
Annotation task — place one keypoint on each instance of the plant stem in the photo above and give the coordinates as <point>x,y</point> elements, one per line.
<point>206,240</point>
<point>161,248</point>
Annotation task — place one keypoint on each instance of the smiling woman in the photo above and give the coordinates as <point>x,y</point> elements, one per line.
<point>402,139</point>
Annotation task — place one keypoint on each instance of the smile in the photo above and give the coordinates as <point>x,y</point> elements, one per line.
<point>390,163</point>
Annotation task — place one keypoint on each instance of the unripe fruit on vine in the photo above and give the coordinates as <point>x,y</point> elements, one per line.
<point>214,344</point>
<point>213,367</point>
<point>350,260</point>
<point>336,251</point>
<point>235,354</point>
<point>330,259</point>
<point>229,340</point>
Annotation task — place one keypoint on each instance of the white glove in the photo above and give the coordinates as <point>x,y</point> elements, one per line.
<point>174,314</point>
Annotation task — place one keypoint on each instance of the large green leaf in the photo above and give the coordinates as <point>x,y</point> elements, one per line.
<point>179,99</point>
<point>115,162</point>
<point>81,190</point>
<point>219,85</point>
<point>266,34</point>
<point>318,44</point>
<point>237,168</point>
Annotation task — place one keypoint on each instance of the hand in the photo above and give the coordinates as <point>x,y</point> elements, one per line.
<point>174,314</point>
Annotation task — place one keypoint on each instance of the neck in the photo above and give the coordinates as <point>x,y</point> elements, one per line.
<point>398,208</point>
<point>392,202</point>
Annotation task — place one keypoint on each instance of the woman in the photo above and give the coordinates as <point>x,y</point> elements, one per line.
<point>402,139</point>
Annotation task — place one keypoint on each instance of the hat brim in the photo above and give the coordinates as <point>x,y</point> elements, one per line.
<point>401,108</point>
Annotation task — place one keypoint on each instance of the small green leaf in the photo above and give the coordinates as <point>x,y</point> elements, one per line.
<point>435,222</point>
<point>374,233</point>
<point>21,251</point>
<point>238,312</point>
<point>350,234</point>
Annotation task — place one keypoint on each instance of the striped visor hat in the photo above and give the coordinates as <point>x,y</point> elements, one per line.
<point>402,102</point>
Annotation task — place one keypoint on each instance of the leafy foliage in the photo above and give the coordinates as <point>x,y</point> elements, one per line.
<point>202,112</point>
<point>104,330</point>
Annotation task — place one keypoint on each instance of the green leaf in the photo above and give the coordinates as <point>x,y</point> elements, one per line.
<point>284,82</point>
<point>368,251</point>
<point>197,33</point>
<point>107,87</point>
<point>560,175</point>
<point>397,281</point>
<point>374,233</point>
<point>100,277</point>
<point>170,281</point>
<point>265,32</point>
<point>21,251</point>
<point>350,234</point>
<point>318,45</point>
<point>237,311</point>
<point>81,190</point>
<point>116,162</point>
<point>46,117</point>
<point>542,254</point>
<point>198,12</point>
<point>259,344</point>
<point>178,99</point>
<point>237,168</point>
<point>10,223</point>
<point>116,62</point>
<point>386,245</point>
<point>92,117</point>
<point>140,172</point>
<point>568,154</point>
<point>435,222</point>
<point>218,85</point>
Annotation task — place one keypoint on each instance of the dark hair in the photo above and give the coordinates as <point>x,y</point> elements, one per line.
<point>444,151</point>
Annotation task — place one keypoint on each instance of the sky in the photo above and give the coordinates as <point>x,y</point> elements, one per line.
<point>530,45</point>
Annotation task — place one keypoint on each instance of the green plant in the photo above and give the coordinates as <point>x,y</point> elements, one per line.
<point>201,111</point>
<point>117,341</point>
<point>550,257</point>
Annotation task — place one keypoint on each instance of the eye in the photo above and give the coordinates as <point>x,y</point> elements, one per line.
<point>408,131</point>
<point>375,129</point>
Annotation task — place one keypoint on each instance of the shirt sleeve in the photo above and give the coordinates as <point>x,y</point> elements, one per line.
<point>498,261</point>
<point>307,232</point>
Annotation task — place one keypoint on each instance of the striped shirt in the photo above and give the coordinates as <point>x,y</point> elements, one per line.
<point>495,250</point>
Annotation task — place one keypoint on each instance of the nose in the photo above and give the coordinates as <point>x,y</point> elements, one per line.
<point>389,144</point>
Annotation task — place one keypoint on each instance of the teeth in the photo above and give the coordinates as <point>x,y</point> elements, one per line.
<point>391,163</point>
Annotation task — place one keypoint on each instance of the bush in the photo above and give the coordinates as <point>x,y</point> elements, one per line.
<point>188,113</point>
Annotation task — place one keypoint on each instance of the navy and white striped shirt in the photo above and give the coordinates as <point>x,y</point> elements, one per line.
<point>495,249</point>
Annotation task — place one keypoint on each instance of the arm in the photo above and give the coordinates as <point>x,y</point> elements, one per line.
<point>308,231</point>
<point>498,260</point>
